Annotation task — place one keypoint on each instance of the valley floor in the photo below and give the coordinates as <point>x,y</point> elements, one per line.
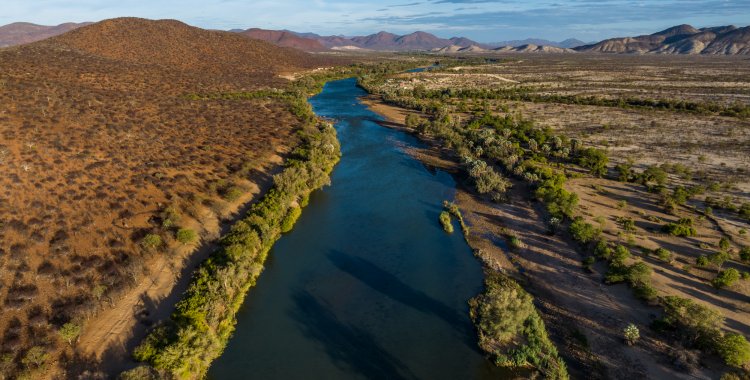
<point>584,316</point>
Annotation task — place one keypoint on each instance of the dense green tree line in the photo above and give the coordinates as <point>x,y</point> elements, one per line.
<point>204,319</point>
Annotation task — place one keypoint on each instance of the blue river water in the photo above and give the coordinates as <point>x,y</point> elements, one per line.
<point>367,285</point>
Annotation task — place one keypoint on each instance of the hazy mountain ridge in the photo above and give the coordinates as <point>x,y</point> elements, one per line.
<point>19,33</point>
<point>566,44</point>
<point>283,38</point>
<point>680,39</point>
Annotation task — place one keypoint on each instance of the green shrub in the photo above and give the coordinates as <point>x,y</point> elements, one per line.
<point>186,236</point>
<point>69,332</point>
<point>734,349</point>
<point>654,174</point>
<point>140,373</point>
<point>726,278</point>
<point>683,227</point>
<point>583,232</point>
<point>602,250</point>
<point>627,224</point>
<point>233,193</point>
<point>515,243</point>
<point>631,334</point>
<point>36,357</point>
<point>445,221</point>
<point>511,330</point>
<point>588,263</point>
<point>595,160</point>
<point>291,217</point>
<point>170,217</point>
<point>620,254</point>
<point>718,258</point>
<point>696,324</point>
<point>625,172</point>
<point>663,255</point>
<point>702,261</point>
<point>151,241</point>
<point>745,254</point>
<point>724,244</point>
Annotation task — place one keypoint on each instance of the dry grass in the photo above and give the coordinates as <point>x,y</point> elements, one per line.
<point>99,147</point>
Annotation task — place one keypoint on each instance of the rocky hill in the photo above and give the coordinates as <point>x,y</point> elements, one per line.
<point>681,39</point>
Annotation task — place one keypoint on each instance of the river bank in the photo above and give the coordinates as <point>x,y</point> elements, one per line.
<point>110,337</point>
<point>367,285</point>
<point>584,317</point>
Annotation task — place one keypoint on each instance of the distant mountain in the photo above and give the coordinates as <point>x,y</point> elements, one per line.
<point>531,48</point>
<point>680,39</point>
<point>567,44</point>
<point>23,32</point>
<point>384,41</point>
<point>284,38</point>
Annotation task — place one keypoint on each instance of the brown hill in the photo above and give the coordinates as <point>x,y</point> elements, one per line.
<point>284,38</point>
<point>100,145</point>
<point>681,39</point>
<point>174,44</point>
<point>23,32</point>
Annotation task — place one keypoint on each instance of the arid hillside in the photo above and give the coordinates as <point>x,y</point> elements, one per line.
<point>680,39</point>
<point>112,175</point>
<point>170,43</point>
<point>19,33</point>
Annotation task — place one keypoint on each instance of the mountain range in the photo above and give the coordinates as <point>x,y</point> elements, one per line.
<point>566,44</point>
<point>681,39</point>
<point>23,32</point>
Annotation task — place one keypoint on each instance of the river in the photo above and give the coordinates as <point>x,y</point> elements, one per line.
<point>367,285</point>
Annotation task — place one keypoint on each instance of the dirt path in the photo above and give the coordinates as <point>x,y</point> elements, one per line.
<point>110,337</point>
<point>585,317</point>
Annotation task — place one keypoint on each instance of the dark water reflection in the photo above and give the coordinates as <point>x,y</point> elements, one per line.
<point>367,285</point>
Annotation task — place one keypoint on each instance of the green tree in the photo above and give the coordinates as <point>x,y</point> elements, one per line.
<point>595,160</point>
<point>734,349</point>
<point>726,278</point>
<point>583,232</point>
<point>69,332</point>
<point>654,174</point>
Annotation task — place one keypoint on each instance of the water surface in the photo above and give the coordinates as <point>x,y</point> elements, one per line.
<point>367,285</point>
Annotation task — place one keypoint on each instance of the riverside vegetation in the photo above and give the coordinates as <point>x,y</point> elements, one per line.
<point>498,147</point>
<point>203,321</point>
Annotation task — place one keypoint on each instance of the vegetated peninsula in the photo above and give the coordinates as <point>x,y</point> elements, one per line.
<point>113,177</point>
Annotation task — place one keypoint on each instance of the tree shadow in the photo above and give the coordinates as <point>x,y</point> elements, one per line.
<point>392,287</point>
<point>348,346</point>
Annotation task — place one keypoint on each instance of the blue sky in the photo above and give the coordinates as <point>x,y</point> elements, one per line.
<point>482,20</point>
